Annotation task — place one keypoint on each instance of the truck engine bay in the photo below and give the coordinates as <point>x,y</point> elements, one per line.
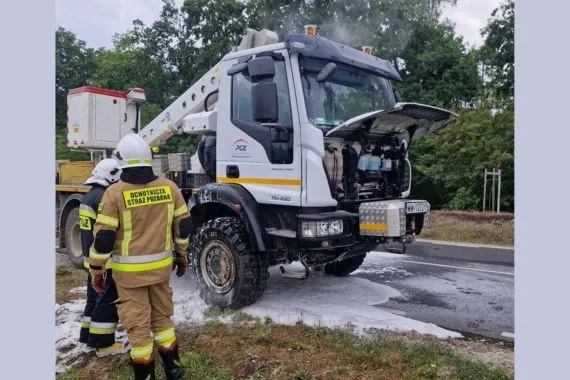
<point>376,170</point>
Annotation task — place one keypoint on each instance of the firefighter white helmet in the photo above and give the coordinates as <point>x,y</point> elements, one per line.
<point>105,173</point>
<point>133,151</point>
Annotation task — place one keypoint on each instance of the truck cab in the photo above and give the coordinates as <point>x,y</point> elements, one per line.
<point>284,112</point>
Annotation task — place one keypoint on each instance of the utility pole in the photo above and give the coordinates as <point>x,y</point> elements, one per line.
<point>485,190</point>
<point>499,194</point>
<point>495,190</point>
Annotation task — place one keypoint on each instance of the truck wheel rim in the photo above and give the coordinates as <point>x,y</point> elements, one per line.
<point>217,266</point>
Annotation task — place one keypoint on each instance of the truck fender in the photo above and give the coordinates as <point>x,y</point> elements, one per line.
<point>221,199</point>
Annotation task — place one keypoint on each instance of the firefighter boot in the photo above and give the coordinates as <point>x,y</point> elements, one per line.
<point>115,349</point>
<point>144,370</point>
<point>171,362</point>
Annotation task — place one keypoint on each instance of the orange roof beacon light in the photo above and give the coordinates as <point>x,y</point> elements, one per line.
<point>311,30</point>
<point>367,49</point>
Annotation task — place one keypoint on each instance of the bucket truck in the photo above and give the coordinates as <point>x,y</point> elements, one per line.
<point>303,156</point>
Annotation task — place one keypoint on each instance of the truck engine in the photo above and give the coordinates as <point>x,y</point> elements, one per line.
<point>370,170</point>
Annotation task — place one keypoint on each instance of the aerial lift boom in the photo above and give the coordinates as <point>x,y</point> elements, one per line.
<point>198,99</point>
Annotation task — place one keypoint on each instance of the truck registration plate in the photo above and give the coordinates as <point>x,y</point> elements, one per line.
<point>416,208</point>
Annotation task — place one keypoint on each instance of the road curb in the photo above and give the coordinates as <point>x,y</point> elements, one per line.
<point>470,245</point>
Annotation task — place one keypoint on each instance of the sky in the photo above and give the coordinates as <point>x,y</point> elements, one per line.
<point>96,21</point>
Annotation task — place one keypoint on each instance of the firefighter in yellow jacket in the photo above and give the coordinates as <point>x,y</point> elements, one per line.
<point>142,220</point>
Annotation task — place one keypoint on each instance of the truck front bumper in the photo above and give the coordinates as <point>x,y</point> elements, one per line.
<point>376,222</point>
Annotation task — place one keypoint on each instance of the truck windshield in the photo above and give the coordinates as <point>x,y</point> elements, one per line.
<point>346,93</point>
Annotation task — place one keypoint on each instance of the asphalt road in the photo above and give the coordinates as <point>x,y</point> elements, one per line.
<point>468,289</point>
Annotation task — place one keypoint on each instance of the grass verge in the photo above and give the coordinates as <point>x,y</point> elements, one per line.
<point>67,278</point>
<point>465,227</point>
<point>266,351</point>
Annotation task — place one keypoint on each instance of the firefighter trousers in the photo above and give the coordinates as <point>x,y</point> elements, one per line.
<point>100,316</point>
<point>143,310</point>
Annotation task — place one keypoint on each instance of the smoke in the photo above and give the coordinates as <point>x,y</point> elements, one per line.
<point>386,26</point>
<point>355,36</point>
<point>349,33</point>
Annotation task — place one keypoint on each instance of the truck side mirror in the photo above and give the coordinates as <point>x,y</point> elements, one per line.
<point>261,68</point>
<point>264,102</point>
<point>258,68</point>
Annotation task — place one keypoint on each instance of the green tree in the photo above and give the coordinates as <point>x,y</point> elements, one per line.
<point>498,51</point>
<point>75,65</point>
<point>167,42</point>
<point>438,70</point>
<point>217,26</point>
<point>187,41</point>
<point>121,70</point>
<point>449,166</point>
<point>169,55</point>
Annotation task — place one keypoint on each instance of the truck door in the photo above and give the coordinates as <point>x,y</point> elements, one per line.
<point>263,157</point>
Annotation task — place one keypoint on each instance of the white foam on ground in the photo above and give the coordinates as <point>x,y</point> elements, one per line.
<point>318,300</point>
<point>188,306</point>
<point>67,325</point>
<point>81,289</point>
<point>385,255</point>
<point>326,300</point>
<point>366,268</point>
<point>335,302</point>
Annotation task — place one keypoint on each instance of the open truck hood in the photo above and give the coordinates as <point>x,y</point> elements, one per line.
<point>413,118</point>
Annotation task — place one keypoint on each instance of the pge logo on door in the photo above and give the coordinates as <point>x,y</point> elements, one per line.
<point>240,149</point>
<point>240,146</point>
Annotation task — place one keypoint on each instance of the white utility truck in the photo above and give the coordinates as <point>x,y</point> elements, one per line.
<point>303,157</point>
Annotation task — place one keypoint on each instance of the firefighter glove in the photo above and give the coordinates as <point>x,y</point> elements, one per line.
<point>181,265</point>
<point>98,282</point>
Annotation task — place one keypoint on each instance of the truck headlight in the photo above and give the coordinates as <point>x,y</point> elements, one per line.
<point>322,228</point>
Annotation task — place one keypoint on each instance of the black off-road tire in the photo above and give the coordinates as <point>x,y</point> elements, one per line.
<point>251,269</point>
<point>73,238</point>
<point>344,267</point>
